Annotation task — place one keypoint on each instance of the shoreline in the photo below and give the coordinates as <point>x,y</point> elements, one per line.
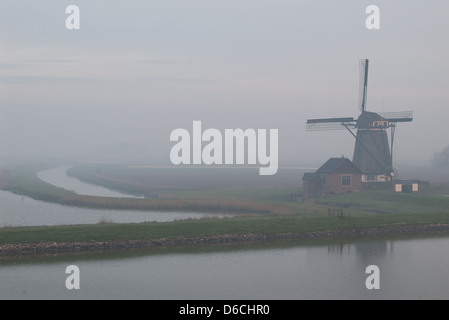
<point>25,249</point>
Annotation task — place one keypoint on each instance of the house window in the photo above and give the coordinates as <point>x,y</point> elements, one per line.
<point>346,181</point>
<point>323,179</point>
<point>371,178</point>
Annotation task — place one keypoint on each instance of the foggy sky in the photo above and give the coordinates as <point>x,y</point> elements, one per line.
<point>136,70</point>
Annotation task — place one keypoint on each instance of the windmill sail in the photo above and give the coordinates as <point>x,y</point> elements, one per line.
<point>363,84</point>
<point>330,124</point>
<point>404,116</point>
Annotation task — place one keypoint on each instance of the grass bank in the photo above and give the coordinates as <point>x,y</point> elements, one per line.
<point>105,237</point>
<point>272,225</point>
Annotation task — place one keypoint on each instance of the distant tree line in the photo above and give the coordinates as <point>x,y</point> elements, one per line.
<point>441,159</point>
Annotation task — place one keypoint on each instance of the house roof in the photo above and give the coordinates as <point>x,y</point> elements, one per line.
<point>338,165</point>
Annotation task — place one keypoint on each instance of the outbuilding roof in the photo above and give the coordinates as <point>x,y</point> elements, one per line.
<point>311,177</point>
<point>338,165</point>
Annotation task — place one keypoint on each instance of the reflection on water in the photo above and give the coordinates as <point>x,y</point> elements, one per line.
<point>415,269</point>
<point>338,248</point>
<point>368,252</point>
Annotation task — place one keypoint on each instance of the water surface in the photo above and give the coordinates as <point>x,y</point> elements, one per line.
<point>16,210</point>
<point>58,177</point>
<point>409,269</point>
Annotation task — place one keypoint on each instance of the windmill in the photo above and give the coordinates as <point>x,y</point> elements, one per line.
<point>373,154</point>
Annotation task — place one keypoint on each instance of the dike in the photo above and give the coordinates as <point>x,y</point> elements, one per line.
<point>9,250</point>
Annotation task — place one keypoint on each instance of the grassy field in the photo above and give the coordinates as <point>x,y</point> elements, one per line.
<point>151,181</point>
<point>265,211</point>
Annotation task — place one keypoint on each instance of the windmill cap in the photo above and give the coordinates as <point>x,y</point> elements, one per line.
<point>366,119</point>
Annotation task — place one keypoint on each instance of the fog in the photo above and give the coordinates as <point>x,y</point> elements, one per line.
<point>137,70</point>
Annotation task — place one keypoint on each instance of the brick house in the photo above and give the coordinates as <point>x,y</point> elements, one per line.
<point>337,175</point>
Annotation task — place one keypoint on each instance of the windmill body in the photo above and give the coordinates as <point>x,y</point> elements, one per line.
<point>373,152</point>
